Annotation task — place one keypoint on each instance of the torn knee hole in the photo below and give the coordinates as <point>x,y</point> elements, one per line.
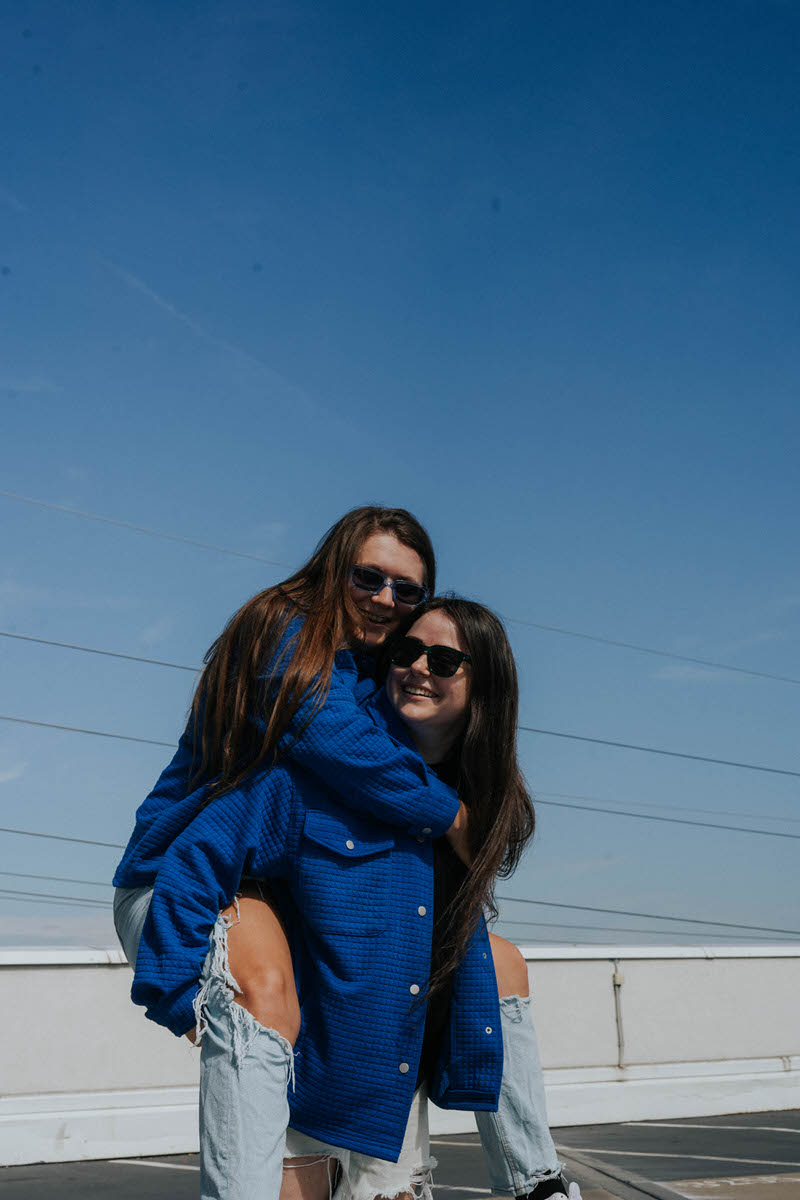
<point>419,1186</point>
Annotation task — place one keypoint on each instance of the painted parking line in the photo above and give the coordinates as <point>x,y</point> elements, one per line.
<point>776,1187</point>
<point>451,1187</point>
<point>759,1162</point>
<point>146,1162</point>
<point>444,1141</point>
<point>676,1125</point>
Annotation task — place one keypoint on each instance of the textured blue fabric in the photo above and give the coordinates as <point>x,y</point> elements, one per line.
<point>357,898</point>
<point>371,771</point>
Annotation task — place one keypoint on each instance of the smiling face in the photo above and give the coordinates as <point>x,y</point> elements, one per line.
<point>431,706</point>
<point>382,614</point>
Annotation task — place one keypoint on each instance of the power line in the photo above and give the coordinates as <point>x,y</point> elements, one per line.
<point>511,899</point>
<point>121,737</point>
<point>721,762</point>
<point>60,837</point>
<point>88,900</point>
<point>505,920</point>
<point>55,878</point>
<point>625,929</point>
<point>126,737</point>
<point>557,629</point>
<point>156,662</point>
<point>717,812</point>
<point>58,903</point>
<point>622,912</point>
<point>170,537</point>
<point>159,662</point>
<point>616,812</point>
<point>604,641</point>
<point>596,941</point>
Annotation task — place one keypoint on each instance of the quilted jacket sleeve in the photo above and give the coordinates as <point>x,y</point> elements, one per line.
<point>245,831</point>
<point>370,770</point>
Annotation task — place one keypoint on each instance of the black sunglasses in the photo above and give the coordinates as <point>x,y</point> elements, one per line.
<point>369,579</point>
<point>443,661</point>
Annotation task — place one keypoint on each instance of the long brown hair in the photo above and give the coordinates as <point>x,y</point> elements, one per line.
<point>238,717</point>
<point>486,774</point>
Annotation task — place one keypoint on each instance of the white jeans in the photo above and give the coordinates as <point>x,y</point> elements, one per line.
<point>363,1177</point>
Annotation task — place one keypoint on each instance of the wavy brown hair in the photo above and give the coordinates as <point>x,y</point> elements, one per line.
<point>256,677</point>
<point>484,769</point>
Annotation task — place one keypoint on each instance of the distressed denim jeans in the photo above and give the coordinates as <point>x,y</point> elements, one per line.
<point>244,1071</point>
<point>516,1139</point>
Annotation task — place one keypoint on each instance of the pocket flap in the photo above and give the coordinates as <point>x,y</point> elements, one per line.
<point>346,836</point>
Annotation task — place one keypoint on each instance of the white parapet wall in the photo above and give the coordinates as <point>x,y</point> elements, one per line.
<point>624,1034</point>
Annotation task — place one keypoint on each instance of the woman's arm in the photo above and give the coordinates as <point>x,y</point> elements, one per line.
<point>371,771</point>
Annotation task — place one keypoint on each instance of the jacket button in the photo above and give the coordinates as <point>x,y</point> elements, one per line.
<point>427,830</point>
<point>420,839</point>
<point>403,1068</point>
<point>488,1029</point>
<point>350,845</point>
<point>422,910</point>
<point>414,989</point>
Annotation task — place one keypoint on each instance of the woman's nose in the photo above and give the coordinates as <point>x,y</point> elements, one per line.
<point>385,597</point>
<point>421,665</point>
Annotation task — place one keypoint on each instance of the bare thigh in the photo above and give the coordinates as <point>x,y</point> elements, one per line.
<point>261,962</point>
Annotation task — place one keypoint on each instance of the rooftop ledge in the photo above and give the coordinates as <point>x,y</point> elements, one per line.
<point>64,956</point>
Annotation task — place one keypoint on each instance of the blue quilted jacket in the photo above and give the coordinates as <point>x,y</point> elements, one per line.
<point>357,897</point>
<point>370,771</point>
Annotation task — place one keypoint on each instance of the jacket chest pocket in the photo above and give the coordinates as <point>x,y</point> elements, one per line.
<point>344,874</point>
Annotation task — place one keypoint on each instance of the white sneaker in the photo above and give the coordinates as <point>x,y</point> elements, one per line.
<point>574,1193</point>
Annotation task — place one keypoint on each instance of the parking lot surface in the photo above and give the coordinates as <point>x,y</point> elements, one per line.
<point>745,1157</point>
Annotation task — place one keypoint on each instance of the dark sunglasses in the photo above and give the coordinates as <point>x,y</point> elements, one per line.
<point>443,661</point>
<point>368,579</point>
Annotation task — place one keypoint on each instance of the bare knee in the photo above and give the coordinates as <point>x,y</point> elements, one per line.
<point>510,967</point>
<point>270,995</point>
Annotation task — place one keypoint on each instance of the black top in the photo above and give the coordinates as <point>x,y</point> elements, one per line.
<point>448,874</point>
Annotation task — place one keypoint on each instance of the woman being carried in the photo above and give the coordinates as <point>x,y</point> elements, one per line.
<point>370,569</point>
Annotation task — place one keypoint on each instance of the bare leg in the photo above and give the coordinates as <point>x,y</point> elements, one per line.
<point>261,963</point>
<point>510,968</point>
<point>309,1178</point>
<point>516,1140</point>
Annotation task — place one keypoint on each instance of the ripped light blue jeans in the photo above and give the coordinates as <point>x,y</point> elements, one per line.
<point>516,1139</point>
<point>245,1069</point>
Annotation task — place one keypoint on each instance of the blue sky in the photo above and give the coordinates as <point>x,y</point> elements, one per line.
<point>532,273</point>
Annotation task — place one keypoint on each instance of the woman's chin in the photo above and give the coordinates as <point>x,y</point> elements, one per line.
<point>413,710</point>
<point>372,636</point>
